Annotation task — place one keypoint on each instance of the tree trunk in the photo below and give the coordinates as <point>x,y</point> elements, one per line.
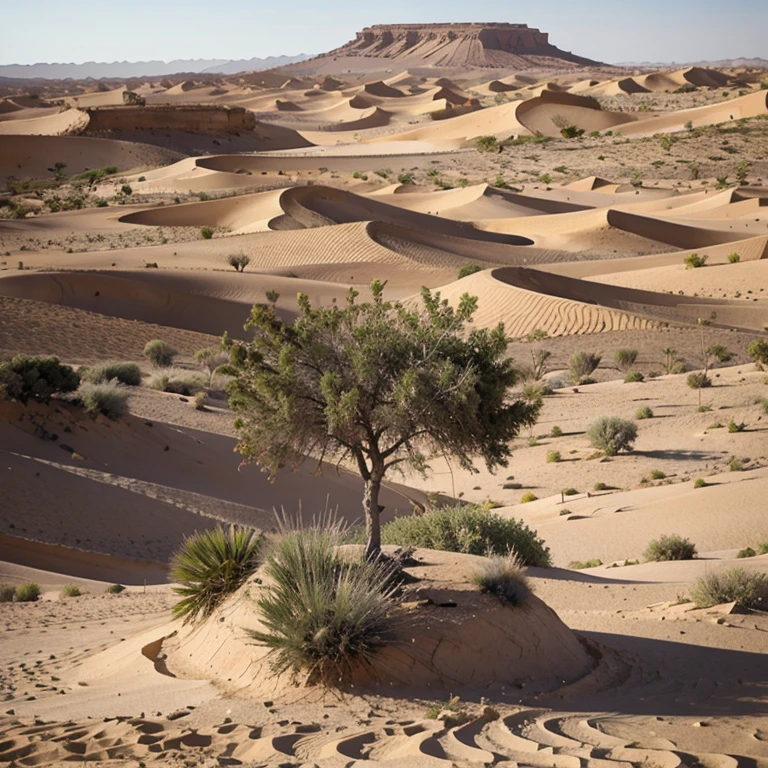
<point>372,521</point>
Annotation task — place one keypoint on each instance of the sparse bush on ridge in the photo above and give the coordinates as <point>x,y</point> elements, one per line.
<point>528,497</point>
<point>71,590</point>
<point>115,589</point>
<point>239,261</point>
<point>469,269</point>
<point>694,261</point>
<point>749,590</point>
<point>26,377</point>
<point>211,565</point>
<point>126,373</point>
<point>159,353</point>
<point>633,377</point>
<point>612,434</point>
<point>581,565</point>
<point>470,529</point>
<point>700,483</point>
<point>504,578</point>
<point>108,398</point>
<point>553,457</point>
<point>671,547</point>
<point>643,413</point>
<point>27,593</point>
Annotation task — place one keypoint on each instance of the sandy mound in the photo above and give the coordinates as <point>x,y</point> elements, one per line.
<point>70,121</point>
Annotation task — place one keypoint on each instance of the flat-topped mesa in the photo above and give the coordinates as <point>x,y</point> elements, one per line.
<point>474,44</point>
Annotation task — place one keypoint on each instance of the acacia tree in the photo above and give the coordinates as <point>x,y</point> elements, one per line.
<point>379,383</point>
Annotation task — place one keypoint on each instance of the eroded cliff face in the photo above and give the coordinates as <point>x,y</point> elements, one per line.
<point>201,118</point>
<point>457,44</point>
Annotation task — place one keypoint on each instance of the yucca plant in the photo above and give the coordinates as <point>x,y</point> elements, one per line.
<point>209,565</point>
<point>323,615</point>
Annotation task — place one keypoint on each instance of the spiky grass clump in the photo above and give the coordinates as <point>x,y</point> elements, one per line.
<point>71,590</point>
<point>323,615</point>
<point>504,578</point>
<point>27,593</point>
<point>159,353</point>
<point>126,373</point>
<point>108,398</point>
<point>749,590</point>
<point>468,528</point>
<point>209,566</point>
<point>672,547</point>
<point>178,381</point>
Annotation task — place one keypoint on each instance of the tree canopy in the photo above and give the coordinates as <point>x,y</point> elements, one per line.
<point>381,384</point>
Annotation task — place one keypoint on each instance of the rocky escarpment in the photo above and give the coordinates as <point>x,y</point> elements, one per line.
<point>458,45</point>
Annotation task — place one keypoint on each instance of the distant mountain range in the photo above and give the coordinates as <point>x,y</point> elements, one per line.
<point>117,69</point>
<point>756,63</point>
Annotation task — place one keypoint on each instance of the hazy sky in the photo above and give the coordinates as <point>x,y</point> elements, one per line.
<point>608,30</point>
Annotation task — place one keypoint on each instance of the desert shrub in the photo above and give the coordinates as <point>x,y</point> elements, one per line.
<point>201,400</point>
<point>686,88</point>
<point>71,590</point>
<point>758,351</point>
<point>504,578</point>
<point>556,432</point>
<point>115,589</point>
<point>239,261</point>
<point>643,413</point>
<point>206,233</point>
<point>736,465</point>
<point>694,261</point>
<point>209,566</point>
<point>470,529</point>
<point>734,258</point>
<point>6,593</point>
<point>672,547</point>
<point>126,189</point>
<point>322,615</point>
<point>633,377</point>
<point>212,359</point>
<point>159,353</point>
<point>27,593</point>
<point>126,373</point>
<point>698,380</point>
<point>528,497</point>
<point>108,398</point>
<point>612,434</point>
<point>469,269</point>
<point>746,552</point>
<point>405,178</point>
<point>582,365</point>
<point>570,492</point>
<point>177,381</point>
<point>553,457</point>
<point>600,486</point>
<point>487,144</point>
<point>625,358</point>
<point>733,427</point>
<point>580,565</point>
<point>571,132</point>
<point>749,590</point>
<point>658,474</point>
<point>36,378</point>
<point>700,483</point>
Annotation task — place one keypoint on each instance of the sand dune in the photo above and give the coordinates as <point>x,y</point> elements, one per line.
<point>70,121</point>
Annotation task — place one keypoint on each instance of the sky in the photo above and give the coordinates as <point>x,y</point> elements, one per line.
<point>607,30</point>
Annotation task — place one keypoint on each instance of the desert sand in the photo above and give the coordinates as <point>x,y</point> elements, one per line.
<point>358,165</point>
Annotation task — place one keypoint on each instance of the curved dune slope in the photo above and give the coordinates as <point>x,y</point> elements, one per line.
<point>71,121</point>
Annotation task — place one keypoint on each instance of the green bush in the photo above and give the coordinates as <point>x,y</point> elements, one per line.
<point>109,399</point>
<point>126,373</point>
<point>71,590</point>
<point>612,434</point>
<point>36,378</point>
<point>749,590</point>
<point>700,483</point>
<point>570,492</point>
<point>206,233</point>
<point>405,178</point>
<point>734,258</point>
<point>556,432</point>
<point>643,413</point>
<point>670,548</point>
<point>177,381</point>
<point>633,376</point>
<point>580,565</point>
<point>487,144</point>
<point>571,132</point>
<point>504,578</point>
<point>126,189</point>
<point>698,381</point>
<point>27,593</point>
<point>211,565</point>
<point>600,487</point>
<point>239,261</point>
<point>322,615</point>
<point>582,365</point>
<point>733,427</point>
<point>694,261</point>
<point>6,593</point>
<point>658,474</point>
<point>736,465</point>
<point>528,497</point>
<point>115,589</point>
<point>469,269</point>
<point>159,353</point>
<point>469,529</point>
<point>758,351</point>
<point>553,457</point>
<point>746,552</point>
<point>625,359</point>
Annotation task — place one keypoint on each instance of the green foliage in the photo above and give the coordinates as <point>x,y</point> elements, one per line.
<point>633,377</point>
<point>670,548</point>
<point>570,492</point>
<point>211,565</point>
<point>658,474</point>
<point>556,432</point>
<point>213,359</point>
<point>698,381</point>
<point>71,590</point>
<point>742,171</point>
<point>7,593</point>
<point>734,258</point>
<point>126,373</point>
<point>177,381</point>
<point>159,353</point>
<point>582,365</point>
<point>686,88</point>
<point>323,616</point>
<point>612,434</point>
<point>108,398</point>
<point>405,178</point>
<point>528,497</point>
<point>745,553</point>
<point>25,377</point>
<point>695,169</point>
<point>571,132</point>
<point>694,261</point>
<point>470,529</point>
<point>27,593</point>
<point>758,351</point>
<point>700,483</point>
<point>504,578</point>
<point>733,427</point>
<point>469,269</point>
<point>58,171</point>
<point>379,382</point>
<point>239,261</point>
<point>580,565</point>
<point>667,142</point>
<point>487,144</point>
<point>553,457</point>
<point>206,233</point>
<point>643,413</point>
<point>600,487</point>
<point>749,590</point>
<point>538,138</point>
<point>115,589</point>
<point>126,189</point>
<point>625,359</point>
<point>736,465</point>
